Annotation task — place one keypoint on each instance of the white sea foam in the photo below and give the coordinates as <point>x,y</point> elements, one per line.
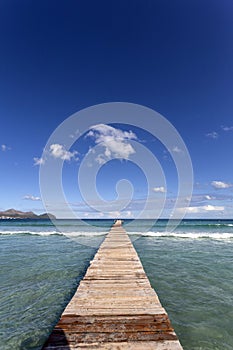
<point>165,234</point>
<point>49,233</point>
<point>226,225</point>
<point>84,233</point>
<point>40,233</point>
<point>190,235</point>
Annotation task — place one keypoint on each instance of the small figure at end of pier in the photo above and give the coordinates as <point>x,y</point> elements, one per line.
<point>118,222</point>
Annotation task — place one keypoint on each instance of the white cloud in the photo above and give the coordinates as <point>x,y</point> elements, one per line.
<point>188,199</point>
<point>220,185</point>
<point>176,149</point>
<point>5,148</point>
<point>100,159</point>
<point>114,214</point>
<point>212,135</point>
<point>38,161</point>
<point>202,209</point>
<point>160,189</point>
<point>75,134</point>
<point>114,141</point>
<point>212,208</point>
<point>59,152</point>
<point>227,128</point>
<point>207,197</point>
<point>32,198</point>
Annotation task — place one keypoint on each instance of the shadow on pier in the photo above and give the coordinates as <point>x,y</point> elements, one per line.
<point>56,340</point>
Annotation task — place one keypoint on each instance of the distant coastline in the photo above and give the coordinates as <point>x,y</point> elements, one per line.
<point>17,214</point>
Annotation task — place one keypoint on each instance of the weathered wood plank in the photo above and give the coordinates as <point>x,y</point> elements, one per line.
<point>59,336</point>
<point>151,345</point>
<point>114,306</point>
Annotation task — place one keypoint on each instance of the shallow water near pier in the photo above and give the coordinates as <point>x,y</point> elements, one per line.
<point>191,270</point>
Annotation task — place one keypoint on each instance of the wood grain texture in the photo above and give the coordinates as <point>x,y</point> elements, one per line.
<point>114,306</point>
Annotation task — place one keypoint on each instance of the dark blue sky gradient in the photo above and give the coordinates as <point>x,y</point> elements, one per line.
<point>58,57</point>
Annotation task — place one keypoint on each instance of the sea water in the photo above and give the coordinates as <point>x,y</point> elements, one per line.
<point>191,270</point>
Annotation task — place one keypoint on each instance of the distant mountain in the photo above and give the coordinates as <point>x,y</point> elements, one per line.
<point>17,214</point>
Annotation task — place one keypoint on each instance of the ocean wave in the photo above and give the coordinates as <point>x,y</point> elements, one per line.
<point>50,233</point>
<point>159,234</point>
<point>219,225</point>
<point>190,235</point>
<point>24,232</point>
<point>205,225</point>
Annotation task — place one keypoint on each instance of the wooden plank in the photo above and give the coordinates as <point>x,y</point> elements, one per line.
<point>60,335</point>
<point>150,345</point>
<point>114,306</point>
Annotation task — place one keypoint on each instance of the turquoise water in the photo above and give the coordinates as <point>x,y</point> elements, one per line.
<point>191,269</point>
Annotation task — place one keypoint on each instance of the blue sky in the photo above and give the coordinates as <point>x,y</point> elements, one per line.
<point>176,57</point>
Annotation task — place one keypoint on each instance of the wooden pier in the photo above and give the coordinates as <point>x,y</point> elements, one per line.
<point>114,307</point>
